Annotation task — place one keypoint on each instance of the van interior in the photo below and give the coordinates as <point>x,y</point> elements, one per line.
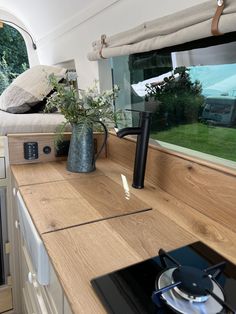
<point>117,157</point>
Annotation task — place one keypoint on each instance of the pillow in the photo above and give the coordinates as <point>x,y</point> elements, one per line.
<point>29,89</point>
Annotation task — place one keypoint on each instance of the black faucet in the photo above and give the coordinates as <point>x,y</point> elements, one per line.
<point>143,132</point>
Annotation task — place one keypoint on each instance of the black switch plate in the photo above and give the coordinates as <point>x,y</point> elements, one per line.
<point>31,151</point>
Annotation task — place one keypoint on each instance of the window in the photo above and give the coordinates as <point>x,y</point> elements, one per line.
<point>192,93</point>
<point>13,55</point>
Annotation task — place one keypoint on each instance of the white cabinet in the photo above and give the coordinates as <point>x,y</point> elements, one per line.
<point>2,158</point>
<point>67,309</point>
<point>44,296</point>
<point>2,168</point>
<point>33,243</point>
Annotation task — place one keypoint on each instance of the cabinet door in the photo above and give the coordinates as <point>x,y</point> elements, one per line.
<point>2,168</point>
<point>46,299</point>
<point>67,309</point>
<point>54,292</point>
<point>26,303</point>
<point>30,286</point>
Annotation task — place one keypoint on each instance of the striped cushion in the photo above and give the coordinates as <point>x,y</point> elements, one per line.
<point>29,89</point>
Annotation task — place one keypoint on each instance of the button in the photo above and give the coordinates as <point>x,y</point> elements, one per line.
<point>47,149</point>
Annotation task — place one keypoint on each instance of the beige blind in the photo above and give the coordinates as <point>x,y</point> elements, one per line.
<point>184,26</point>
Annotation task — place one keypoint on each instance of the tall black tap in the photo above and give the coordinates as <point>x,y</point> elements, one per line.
<point>142,132</point>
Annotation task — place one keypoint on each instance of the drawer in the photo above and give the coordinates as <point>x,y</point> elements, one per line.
<point>37,295</point>
<point>33,243</point>
<point>2,168</point>
<point>30,289</point>
<point>49,297</point>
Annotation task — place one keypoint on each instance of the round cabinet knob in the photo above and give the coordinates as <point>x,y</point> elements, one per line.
<point>17,224</point>
<point>47,150</point>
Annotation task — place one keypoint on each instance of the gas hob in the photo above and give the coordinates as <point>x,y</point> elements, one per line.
<point>193,279</point>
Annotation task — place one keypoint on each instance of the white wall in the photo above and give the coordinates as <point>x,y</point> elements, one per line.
<point>72,40</point>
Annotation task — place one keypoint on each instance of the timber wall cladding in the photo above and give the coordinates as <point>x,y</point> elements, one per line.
<point>16,146</point>
<point>210,191</point>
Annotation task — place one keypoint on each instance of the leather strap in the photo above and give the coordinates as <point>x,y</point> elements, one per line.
<point>215,22</point>
<point>103,44</point>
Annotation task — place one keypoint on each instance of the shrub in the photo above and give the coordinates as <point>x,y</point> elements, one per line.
<point>180,100</point>
<point>6,74</point>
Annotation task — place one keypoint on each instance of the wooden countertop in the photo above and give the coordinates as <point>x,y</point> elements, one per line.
<point>63,204</point>
<point>83,252</point>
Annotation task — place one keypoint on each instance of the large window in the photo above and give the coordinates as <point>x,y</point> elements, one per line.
<point>192,94</point>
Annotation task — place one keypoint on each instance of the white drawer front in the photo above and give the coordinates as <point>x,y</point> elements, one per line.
<point>33,243</point>
<point>2,168</point>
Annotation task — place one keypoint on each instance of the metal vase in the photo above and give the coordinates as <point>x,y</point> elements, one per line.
<point>81,152</point>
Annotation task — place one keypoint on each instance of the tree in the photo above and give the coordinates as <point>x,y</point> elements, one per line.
<point>13,56</point>
<point>180,100</point>
<point>13,49</point>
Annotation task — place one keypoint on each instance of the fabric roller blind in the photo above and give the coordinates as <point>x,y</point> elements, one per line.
<point>191,24</point>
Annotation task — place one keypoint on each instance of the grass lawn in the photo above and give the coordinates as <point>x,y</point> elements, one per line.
<point>214,140</point>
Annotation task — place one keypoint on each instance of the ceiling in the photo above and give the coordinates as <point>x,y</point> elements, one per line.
<point>43,16</point>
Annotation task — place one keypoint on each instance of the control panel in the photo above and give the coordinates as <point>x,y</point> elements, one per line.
<point>31,151</point>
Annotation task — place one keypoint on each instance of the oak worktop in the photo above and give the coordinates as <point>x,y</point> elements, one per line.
<point>82,251</point>
<point>89,198</point>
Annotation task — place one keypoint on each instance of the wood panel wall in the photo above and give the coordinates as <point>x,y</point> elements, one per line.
<point>16,146</point>
<point>209,188</point>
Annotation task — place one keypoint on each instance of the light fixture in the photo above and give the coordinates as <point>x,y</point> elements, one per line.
<point>24,30</point>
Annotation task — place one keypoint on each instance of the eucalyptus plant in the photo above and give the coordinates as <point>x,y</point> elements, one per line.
<point>81,107</point>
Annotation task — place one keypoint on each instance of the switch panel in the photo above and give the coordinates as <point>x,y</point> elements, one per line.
<point>31,150</point>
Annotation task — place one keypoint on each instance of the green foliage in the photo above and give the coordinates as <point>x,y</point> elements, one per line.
<point>6,74</point>
<point>84,107</point>
<point>179,99</point>
<point>13,56</point>
<point>13,49</point>
<point>213,140</point>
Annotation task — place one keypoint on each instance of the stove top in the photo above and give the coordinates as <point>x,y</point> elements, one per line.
<point>192,279</point>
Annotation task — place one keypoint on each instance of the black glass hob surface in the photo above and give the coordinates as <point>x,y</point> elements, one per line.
<point>131,290</point>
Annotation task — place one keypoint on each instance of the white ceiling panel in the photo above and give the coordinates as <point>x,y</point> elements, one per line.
<point>43,16</point>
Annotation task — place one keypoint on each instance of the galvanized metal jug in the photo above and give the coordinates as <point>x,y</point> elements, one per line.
<point>81,156</point>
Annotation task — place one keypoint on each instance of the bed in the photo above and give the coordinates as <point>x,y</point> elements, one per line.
<point>29,123</point>
<point>25,97</point>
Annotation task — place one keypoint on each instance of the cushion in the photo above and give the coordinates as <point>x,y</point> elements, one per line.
<point>29,89</point>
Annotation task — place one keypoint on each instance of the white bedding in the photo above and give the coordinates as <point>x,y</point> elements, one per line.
<point>29,123</point>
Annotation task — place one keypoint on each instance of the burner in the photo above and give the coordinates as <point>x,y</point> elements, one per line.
<point>194,283</point>
<point>180,304</point>
<point>163,285</point>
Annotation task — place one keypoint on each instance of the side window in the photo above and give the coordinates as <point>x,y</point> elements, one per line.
<point>192,94</point>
